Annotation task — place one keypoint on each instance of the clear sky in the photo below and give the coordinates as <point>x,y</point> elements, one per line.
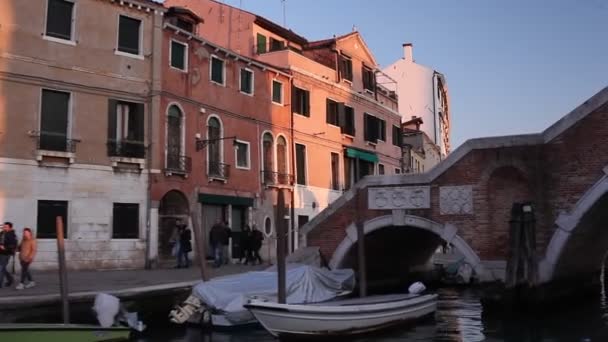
<point>512,67</point>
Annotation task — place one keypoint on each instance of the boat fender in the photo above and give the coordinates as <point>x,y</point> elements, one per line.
<point>416,288</point>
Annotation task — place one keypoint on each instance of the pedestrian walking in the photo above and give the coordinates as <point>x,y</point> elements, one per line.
<point>217,236</point>
<point>227,243</point>
<point>27,252</point>
<point>256,244</point>
<point>8,246</point>
<point>185,247</point>
<point>245,245</point>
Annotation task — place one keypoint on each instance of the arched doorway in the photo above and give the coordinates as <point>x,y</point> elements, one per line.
<point>173,208</point>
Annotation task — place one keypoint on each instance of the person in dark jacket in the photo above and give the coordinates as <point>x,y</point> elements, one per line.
<point>226,242</point>
<point>217,237</point>
<point>8,246</point>
<point>245,245</point>
<point>185,246</point>
<point>256,244</point>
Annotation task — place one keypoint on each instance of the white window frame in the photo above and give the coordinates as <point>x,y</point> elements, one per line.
<point>340,171</point>
<point>282,93</point>
<point>185,69</point>
<point>70,109</point>
<point>378,169</point>
<point>71,41</point>
<point>223,84</point>
<point>141,37</point>
<point>252,81</point>
<point>221,142</point>
<point>183,130</point>
<point>295,159</point>
<point>274,151</point>
<point>236,155</point>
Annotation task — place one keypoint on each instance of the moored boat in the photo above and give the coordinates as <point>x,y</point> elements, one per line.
<point>342,317</point>
<point>62,333</point>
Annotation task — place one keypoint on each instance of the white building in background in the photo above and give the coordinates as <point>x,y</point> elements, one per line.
<point>422,92</point>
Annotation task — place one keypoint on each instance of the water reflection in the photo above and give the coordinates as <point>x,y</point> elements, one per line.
<point>459,318</point>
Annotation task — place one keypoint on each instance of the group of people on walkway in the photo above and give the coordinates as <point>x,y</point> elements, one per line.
<point>182,244</point>
<point>9,247</point>
<point>250,243</point>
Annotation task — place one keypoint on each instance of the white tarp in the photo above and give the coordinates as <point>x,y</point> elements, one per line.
<point>304,284</point>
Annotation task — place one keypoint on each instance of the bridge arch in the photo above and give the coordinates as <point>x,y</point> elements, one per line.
<point>585,226</point>
<point>447,233</point>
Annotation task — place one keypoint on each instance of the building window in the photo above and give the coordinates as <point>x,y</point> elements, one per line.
<point>276,45</point>
<point>179,55</point>
<point>282,173</point>
<point>369,79</point>
<point>59,19</point>
<point>348,126</point>
<point>174,138</point>
<point>246,81</point>
<point>332,113</point>
<point>374,128</point>
<point>185,25</point>
<point>47,218</point>
<point>346,68</point>
<point>301,164</point>
<point>129,31</point>
<point>214,149</point>
<point>267,157</point>
<point>54,117</point>
<point>242,155</point>
<point>397,171</point>
<point>125,129</point>
<point>261,43</point>
<point>396,136</point>
<point>277,92</point>
<point>301,101</point>
<point>335,171</point>
<point>380,169</point>
<point>268,226</point>
<point>217,70</point>
<point>125,221</point>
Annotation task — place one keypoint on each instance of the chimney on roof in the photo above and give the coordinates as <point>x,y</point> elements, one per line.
<point>408,53</point>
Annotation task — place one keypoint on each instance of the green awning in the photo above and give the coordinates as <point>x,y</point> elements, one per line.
<point>364,155</point>
<point>225,200</point>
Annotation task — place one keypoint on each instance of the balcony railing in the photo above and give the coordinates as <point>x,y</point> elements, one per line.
<point>274,178</point>
<point>178,164</point>
<point>219,170</point>
<point>55,142</point>
<point>126,148</point>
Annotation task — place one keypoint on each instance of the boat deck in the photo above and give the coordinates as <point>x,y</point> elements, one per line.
<point>379,299</point>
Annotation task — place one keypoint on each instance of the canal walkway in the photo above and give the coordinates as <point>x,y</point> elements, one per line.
<point>84,285</point>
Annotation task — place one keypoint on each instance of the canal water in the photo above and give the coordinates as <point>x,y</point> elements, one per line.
<point>460,317</point>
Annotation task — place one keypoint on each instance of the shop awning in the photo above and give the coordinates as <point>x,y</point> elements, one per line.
<point>363,155</point>
<point>225,200</point>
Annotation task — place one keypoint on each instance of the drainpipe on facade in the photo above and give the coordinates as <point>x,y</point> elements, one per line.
<point>293,170</point>
<point>148,262</point>
<point>435,73</point>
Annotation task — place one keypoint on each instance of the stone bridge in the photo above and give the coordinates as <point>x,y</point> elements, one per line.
<point>466,201</point>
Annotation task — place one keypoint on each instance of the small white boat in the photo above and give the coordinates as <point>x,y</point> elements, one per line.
<point>342,317</point>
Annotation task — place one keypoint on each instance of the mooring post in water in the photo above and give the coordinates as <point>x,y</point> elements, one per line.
<point>513,263</point>
<point>281,246</point>
<point>200,238</point>
<point>63,275</point>
<point>361,205</point>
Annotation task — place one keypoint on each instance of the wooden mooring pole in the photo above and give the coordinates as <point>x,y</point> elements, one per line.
<point>63,275</point>
<point>281,247</point>
<point>362,264</point>
<point>200,238</point>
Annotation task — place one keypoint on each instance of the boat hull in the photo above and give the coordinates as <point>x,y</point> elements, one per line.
<point>327,320</point>
<point>61,333</point>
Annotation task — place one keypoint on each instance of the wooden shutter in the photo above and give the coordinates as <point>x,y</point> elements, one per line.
<point>138,112</point>
<point>112,119</point>
<point>341,117</point>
